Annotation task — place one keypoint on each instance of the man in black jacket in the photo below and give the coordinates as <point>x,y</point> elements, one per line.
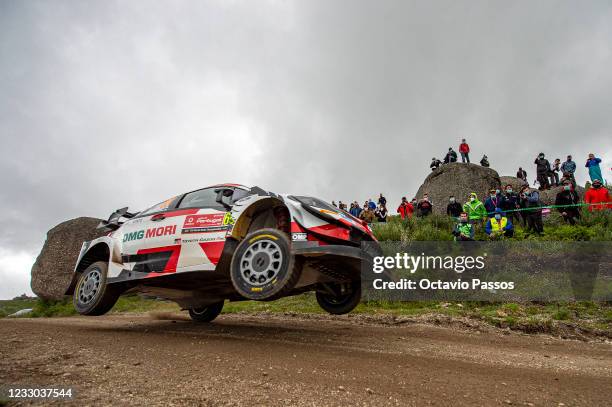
<point>424,206</point>
<point>568,196</point>
<point>510,202</point>
<point>453,208</point>
<point>542,171</point>
<point>522,174</point>
<point>435,163</point>
<point>532,210</point>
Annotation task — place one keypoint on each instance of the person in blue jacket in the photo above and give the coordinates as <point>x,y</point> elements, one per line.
<point>499,226</point>
<point>569,167</point>
<point>493,201</point>
<point>593,165</point>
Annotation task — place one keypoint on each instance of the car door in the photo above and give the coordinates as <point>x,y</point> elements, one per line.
<point>203,232</point>
<point>151,241</point>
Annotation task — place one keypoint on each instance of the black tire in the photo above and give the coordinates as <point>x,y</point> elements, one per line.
<point>263,267</point>
<point>345,299</point>
<point>207,313</point>
<point>92,296</point>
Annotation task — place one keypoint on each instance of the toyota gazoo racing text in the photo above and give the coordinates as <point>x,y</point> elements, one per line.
<point>225,242</point>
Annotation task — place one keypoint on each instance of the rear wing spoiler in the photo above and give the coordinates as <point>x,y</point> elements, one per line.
<point>115,219</point>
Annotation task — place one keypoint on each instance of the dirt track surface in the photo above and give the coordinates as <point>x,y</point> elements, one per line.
<point>270,360</point>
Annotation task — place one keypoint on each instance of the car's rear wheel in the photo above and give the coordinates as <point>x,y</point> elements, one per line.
<point>92,295</point>
<point>341,298</point>
<point>263,267</point>
<point>207,313</point>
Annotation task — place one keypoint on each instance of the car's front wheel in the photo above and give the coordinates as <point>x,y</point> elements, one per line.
<point>207,313</point>
<point>263,266</point>
<point>92,295</point>
<point>341,298</point>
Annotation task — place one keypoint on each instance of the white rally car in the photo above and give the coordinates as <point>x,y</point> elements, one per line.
<point>225,242</point>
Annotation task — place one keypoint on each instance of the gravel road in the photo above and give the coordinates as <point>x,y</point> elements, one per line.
<point>252,360</point>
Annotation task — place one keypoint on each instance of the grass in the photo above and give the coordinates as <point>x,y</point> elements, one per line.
<point>533,318</point>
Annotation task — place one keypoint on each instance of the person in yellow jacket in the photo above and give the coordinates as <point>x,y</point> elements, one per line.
<point>499,226</point>
<point>474,208</point>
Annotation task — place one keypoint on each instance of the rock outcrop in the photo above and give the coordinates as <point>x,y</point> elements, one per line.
<point>54,266</point>
<point>460,180</point>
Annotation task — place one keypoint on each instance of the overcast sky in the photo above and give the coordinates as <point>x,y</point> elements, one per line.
<point>105,104</point>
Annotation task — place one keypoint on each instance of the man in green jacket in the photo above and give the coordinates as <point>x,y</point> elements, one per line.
<point>474,208</point>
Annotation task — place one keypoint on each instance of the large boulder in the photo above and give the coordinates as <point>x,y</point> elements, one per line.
<point>460,180</point>
<point>516,183</point>
<point>52,272</point>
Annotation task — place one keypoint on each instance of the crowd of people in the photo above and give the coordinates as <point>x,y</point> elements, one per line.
<point>502,209</point>
<point>451,157</point>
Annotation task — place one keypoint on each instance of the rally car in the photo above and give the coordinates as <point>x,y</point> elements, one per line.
<point>224,242</point>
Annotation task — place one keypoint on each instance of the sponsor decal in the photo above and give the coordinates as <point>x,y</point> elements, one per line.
<point>228,219</point>
<point>203,239</point>
<point>150,233</point>
<point>205,229</point>
<point>298,236</point>
<point>198,221</point>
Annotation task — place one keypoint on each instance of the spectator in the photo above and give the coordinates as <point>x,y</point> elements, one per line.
<point>341,206</point>
<point>499,226</point>
<point>435,163</point>
<point>453,208</point>
<point>355,209</point>
<point>334,203</point>
<point>367,214</point>
<point>451,156</point>
<point>569,167</point>
<point>542,171</point>
<point>463,230</point>
<point>566,197</point>
<point>484,161</point>
<point>381,213</point>
<point>522,174</point>
<point>474,208</point>
<point>493,201</point>
<point>510,203</point>
<point>531,209</point>
<point>405,209</point>
<point>464,150</point>
<point>568,177</point>
<point>382,200</point>
<point>556,167</point>
<point>593,165</point>
<point>598,195</point>
<point>371,205</point>
<point>424,206</point>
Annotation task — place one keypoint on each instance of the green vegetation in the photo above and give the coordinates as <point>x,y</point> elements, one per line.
<point>594,226</point>
<point>63,308</point>
<point>8,307</point>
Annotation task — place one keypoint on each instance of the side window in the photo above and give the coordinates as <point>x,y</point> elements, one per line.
<point>160,207</point>
<point>204,198</point>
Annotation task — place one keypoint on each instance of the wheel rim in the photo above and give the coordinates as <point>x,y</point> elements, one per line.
<point>90,286</point>
<point>261,262</point>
